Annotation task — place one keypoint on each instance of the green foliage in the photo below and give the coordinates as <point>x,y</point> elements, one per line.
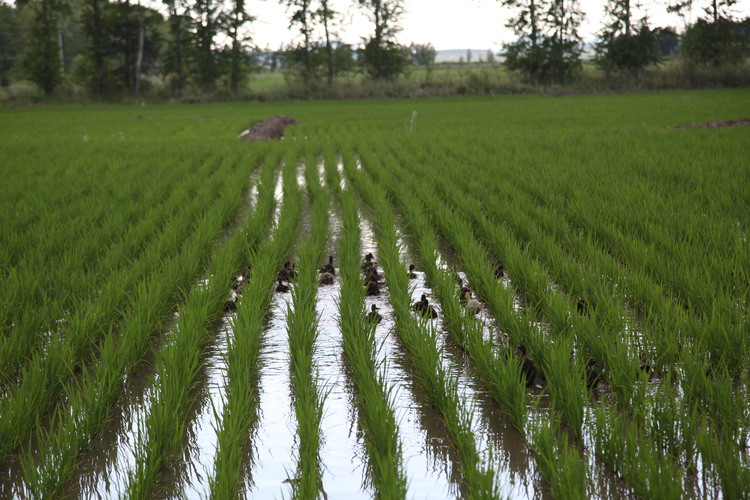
<point>721,42</point>
<point>10,32</point>
<point>548,47</point>
<point>41,57</point>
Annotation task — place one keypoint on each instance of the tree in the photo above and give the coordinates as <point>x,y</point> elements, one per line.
<point>96,70</point>
<point>178,22</point>
<point>623,46</point>
<point>562,46</point>
<point>382,57</point>
<point>208,20</point>
<point>41,58</point>
<point>327,17</point>
<point>424,55</point>
<point>723,41</point>
<point>238,17</point>
<point>10,34</point>
<point>526,54</point>
<point>302,18</point>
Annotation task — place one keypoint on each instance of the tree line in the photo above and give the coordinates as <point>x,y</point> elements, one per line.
<point>109,46</point>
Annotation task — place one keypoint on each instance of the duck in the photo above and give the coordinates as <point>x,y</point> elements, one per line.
<point>472,304</point>
<point>371,273</point>
<point>288,271</point>
<point>499,270</point>
<point>230,306</point>
<point>328,268</point>
<point>368,261</point>
<point>464,290</point>
<point>412,275</point>
<point>373,288</point>
<point>646,368</point>
<point>528,367</point>
<point>423,307</point>
<point>593,374</point>
<point>326,279</point>
<point>582,306</point>
<point>281,287</point>
<point>374,315</point>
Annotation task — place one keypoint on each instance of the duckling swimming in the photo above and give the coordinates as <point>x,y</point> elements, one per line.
<point>281,287</point>
<point>412,275</point>
<point>593,374</point>
<point>368,261</point>
<point>423,307</point>
<point>528,368</point>
<point>472,304</point>
<point>328,268</point>
<point>373,288</point>
<point>326,279</point>
<point>499,270</point>
<point>288,271</point>
<point>374,315</point>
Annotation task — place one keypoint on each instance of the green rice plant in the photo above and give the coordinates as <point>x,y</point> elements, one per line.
<point>375,408</point>
<point>559,461</point>
<point>302,328</point>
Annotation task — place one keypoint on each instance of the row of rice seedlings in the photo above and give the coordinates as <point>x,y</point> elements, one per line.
<point>420,340</point>
<point>26,335</point>
<point>500,373</point>
<point>302,330</point>
<point>375,407</point>
<point>90,404</point>
<point>44,378</point>
<point>179,362</point>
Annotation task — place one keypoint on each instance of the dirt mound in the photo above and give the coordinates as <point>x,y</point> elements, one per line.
<point>718,124</point>
<point>272,128</point>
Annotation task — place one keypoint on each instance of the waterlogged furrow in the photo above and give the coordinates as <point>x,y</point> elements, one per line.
<point>420,340</point>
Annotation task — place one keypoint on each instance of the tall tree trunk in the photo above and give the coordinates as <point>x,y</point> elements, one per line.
<point>60,52</point>
<point>627,18</point>
<point>329,48</point>
<point>234,78</point>
<point>139,57</point>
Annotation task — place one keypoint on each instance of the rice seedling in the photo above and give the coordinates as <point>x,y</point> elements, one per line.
<point>375,409</point>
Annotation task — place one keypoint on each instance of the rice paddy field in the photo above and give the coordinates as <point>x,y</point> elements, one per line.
<point>145,351</point>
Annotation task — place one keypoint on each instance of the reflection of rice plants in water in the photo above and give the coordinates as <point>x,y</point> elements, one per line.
<point>145,350</point>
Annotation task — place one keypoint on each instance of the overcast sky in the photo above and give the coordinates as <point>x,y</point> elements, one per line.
<point>457,24</point>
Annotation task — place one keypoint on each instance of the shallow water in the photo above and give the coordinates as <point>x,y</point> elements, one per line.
<point>273,443</point>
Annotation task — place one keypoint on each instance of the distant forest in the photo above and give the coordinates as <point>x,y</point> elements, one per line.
<point>107,49</point>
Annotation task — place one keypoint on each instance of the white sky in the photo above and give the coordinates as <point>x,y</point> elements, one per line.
<point>458,24</point>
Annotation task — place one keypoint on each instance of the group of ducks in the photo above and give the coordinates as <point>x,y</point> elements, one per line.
<point>529,372</point>
<point>289,273</point>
